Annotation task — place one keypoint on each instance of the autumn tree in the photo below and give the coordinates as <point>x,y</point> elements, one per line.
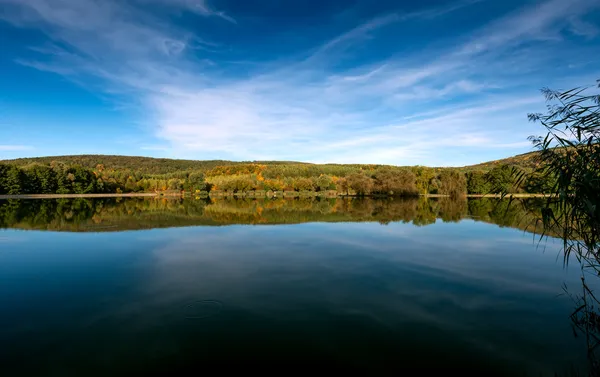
<point>360,183</point>
<point>390,181</point>
<point>453,183</point>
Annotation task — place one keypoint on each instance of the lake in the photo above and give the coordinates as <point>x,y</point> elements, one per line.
<point>149,286</point>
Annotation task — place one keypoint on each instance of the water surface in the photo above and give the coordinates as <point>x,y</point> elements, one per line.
<point>147,286</point>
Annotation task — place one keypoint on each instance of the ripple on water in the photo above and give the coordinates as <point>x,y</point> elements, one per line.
<point>203,309</point>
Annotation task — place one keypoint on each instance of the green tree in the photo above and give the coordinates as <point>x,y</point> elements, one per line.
<point>14,180</point>
<point>424,176</point>
<point>478,183</point>
<point>44,178</point>
<point>503,179</point>
<point>323,183</point>
<point>539,183</point>
<point>3,175</point>
<point>195,182</point>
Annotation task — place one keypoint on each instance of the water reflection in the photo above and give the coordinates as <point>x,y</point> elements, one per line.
<point>335,290</point>
<point>82,215</point>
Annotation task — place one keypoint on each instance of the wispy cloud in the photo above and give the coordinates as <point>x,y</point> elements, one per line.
<point>155,148</point>
<point>317,109</point>
<point>12,148</point>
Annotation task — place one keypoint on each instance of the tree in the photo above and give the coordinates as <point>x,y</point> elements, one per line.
<point>43,180</point>
<point>502,179</point>
<point>3,175</point>
<point>323,182</point>
<point>538,183</point>
<point>303,184</point>
<point>360,183</point>
<point>13,181</point>
<point>174,184</point>
<point>195,182</point>
<point>424,176</point>
<point>390,181</point>
<point>453,183</point>
<point>478,183</point>
<point>342,185</point>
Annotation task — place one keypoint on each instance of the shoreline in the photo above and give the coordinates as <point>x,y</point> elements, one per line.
<point>74,196</point>
<point>173,195</point>
<point>491,195</point>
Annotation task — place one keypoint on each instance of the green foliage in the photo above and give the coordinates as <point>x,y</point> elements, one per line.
<point>570,153</point>
<point>195,182</point>
<point>502,179</point>
<point>478,183</point>
<point>15,181</point>
<point>424,177</point>
<point>538,182</point>
<point>142,165</point>
<point>3,175</point>
<point>323,182</point>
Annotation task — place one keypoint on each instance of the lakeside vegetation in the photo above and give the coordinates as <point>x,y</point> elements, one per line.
<point>570,150</point>
<point>91,174</point>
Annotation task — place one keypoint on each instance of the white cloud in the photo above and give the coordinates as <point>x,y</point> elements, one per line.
<point>583,28</point>
<point>464,93</point>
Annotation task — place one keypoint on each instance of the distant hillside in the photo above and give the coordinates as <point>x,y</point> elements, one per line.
<point>526,160</point>
<point>146,165</point>
<point>149,165</point>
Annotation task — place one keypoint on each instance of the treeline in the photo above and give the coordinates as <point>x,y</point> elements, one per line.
<point>262,179</point>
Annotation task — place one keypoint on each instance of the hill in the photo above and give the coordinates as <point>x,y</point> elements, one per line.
<point>526,161</point>
<point>150,165</point>
<point>88,174</point>
<point>144,165</point>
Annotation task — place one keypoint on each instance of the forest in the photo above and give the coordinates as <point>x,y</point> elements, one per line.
<point>120,174</point>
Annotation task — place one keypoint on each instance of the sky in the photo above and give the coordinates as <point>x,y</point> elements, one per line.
<point>434,82</point>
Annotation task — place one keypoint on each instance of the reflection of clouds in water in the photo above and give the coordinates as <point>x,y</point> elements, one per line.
<point>11,239</point>
<point>397,279</point>
<point>270,271</point>
<point>482,286</point>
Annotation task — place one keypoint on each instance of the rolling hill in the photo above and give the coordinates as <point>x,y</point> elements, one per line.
<point>146,165</point>
<point>150,165</point>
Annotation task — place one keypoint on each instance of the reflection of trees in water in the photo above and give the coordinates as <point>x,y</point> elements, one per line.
<point>387,211</point>
<point>144,213</point>
<point>453,210</point>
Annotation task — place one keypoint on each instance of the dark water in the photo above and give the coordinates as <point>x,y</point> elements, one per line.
<point>150,287</point>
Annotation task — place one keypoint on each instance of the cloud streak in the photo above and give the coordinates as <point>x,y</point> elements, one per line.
<point>314,109</point>
<point>13,148</point>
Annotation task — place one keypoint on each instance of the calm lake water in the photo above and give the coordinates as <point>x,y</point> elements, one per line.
<point>149,287</point>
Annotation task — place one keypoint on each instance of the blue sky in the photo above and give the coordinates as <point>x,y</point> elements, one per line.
<point>444,83</point>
